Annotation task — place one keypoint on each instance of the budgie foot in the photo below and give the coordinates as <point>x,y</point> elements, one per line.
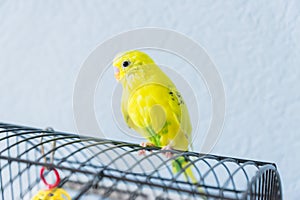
<point>143,151</point>
<point>168,154</point>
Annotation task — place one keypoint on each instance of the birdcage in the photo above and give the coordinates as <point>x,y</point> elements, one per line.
<point>93,168</point>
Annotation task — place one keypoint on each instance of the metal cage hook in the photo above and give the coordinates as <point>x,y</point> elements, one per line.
<point>48,129</point>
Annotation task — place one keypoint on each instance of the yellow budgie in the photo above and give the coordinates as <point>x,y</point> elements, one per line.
<point>153,107</point>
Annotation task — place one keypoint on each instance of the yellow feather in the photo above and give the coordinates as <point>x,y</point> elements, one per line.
<point>157,117</point>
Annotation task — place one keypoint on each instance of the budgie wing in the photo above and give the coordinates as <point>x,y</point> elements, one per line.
<point>159,114</point>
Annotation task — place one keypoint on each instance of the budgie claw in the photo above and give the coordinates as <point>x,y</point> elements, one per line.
<point>168,154</point>
<point>143,151</point>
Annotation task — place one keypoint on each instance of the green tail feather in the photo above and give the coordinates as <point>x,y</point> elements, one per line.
<point>180,163</point>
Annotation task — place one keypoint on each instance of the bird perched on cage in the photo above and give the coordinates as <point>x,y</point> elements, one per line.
<point>152,106</point>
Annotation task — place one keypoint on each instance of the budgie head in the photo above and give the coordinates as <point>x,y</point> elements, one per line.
<point>125,62</point>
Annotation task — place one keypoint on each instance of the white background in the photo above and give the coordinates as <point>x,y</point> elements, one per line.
<point>254,44</point>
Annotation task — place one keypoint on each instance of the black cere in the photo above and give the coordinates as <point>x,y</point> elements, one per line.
<point>125,63</point>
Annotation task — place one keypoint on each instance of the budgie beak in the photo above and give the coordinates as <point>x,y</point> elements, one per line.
<point>117,73</point>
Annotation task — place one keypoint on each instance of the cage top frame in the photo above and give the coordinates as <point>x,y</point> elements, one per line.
<point>21,142</point>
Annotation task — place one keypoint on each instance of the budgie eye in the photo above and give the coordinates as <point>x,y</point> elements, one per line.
<point>125,63</point>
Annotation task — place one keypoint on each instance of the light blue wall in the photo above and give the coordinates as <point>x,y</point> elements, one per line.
<point>254,44</point>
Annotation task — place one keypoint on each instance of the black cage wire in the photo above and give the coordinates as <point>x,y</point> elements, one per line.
<point>93,168</point>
